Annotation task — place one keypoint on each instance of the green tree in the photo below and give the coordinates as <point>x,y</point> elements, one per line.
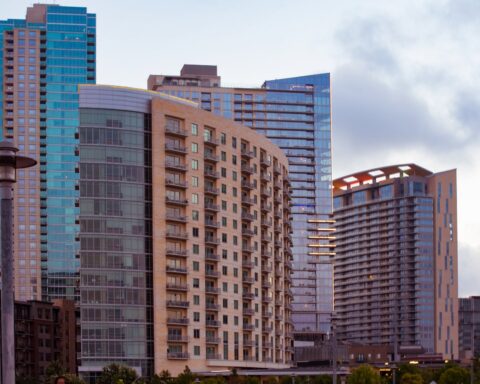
<point>455,375</point>
<point>214,380</point>
<point>322,379</point>
<point>270,380</point>
<point>364,374</point>
<point>186,377</point>
<point>411,378</point>
<point>117,374</point>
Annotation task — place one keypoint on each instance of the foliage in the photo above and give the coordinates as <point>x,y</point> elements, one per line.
<point>364,374</point>
<point>322,379</point>
<point>117,374</point>
<point>270,380</point>
<point>455,375</point>
<point>411,378</point>
<point>186,377</point>
<point>214,380</point>
<point>26,380</point>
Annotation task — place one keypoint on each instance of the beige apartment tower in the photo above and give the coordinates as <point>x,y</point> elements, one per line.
<point>213,201</point>
<point>396,277</point>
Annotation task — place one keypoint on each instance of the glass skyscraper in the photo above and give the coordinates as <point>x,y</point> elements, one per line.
<point>43,58</point>
<point>294,114</point>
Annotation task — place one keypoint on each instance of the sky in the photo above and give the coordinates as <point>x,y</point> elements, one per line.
<point>405,74</point>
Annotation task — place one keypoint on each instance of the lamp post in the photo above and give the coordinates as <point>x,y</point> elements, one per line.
<point>9,163</point>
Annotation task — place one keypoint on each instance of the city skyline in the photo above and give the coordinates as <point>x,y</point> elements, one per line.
<point>362,50</point>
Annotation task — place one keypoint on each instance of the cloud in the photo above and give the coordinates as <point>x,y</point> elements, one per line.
<point>468,259</point>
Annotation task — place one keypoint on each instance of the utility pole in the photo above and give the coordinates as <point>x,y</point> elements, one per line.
<point>9,163</point>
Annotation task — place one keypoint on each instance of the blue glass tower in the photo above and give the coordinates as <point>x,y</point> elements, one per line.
<point>295,114</point>
<point>45,57</point>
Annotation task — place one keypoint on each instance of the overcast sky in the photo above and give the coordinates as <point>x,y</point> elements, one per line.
<point>405,74</point>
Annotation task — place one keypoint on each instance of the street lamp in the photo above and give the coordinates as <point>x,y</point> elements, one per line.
<point>9,163</point>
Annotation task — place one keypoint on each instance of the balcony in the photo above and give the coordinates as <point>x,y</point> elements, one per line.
<point>175,166</point>
<point>248,249</point>
<point>177,252</point>
<point>178,355</point>
<point>211,174</point>
<point>267,329</point>
<point>277,213</point>
<point>178,218</point>
<point>266,207</point>
<point>175,131</point>
<point>248,311</point>
<point>211,141</point>
<point>212,290</point>
<point>265,162</point>
<point>277,185</point>
<point>212,307</point>
<point>247,264</point>
<point>212,273</point>
<point>212,224</point>
<point>248,185</point>
<point>248,327</point>
<point>177,304</point>
<point>177,321</point>
<point>212,323</point>
<point>267,299</point>
<point>211,257</point>
<point>248,170</point>
<point>213,340</point>
<point>210,190</point>
<point>211,207</point>
<point>248,280</point>
<point>267,344</point>
<point>247,232</point>
<point>277,170</point>
<point>266,254</point>
<point>212,240</point>
<point>247,200</point>
<point>247,154</point>
<point>264,176</point>
<point>176,235</point>
<point>247,216</point>
<point>177,287</point>
<point>177,338</point>
<point>266,268</point>
<point>213,356</point>
<point>176,183</point>
<point>266,238</point>
<point>265,192</point>
<point>178,270</point>
<point>266,222</point>
<point>267,314</point>
<point>266,284</point>
<point>209,156</point>
<point>248,295</point>
<point>249,343</point>
<point>175,148</point>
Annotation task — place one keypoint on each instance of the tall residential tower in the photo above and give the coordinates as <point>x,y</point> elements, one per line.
<point>42,60</point>
<point>294,114</point>
<point>396,277</point>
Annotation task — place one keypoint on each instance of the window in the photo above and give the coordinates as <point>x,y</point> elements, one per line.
<point>196,333</point>
<point>224,172</point>
<point>224,205</point>
<point>224,156</point>
<point>224,188</point>
<point>224,221</point>
<point>234,159</point>
<point>194,164</point>
<point>224,238</point>
<point>196,350</point>
<point>196,299</point>
<point>224,270</point>
<point>235,304</point>
<point>195,232</point>
<point>235,272</point>
<point>225,287</point>
<point>225,303</point>
<point>235,224</point>
<point>223,138</point>
<point>234,191</point>
<point>234,208</point>
<point>194,198</point>
<point>235,240</point>
<point>224,254</point>
<point>194,129</point>
<point>196,283</point>
<point>196,266</point>
<point>235,320</point>
<point>195,215</point>
<point>196,249</point>
<point>194,181</point>
<point>234,142</point>
<point>235,256</point>
<point>194,147</point>
<point>225,319</point>
<point>196,316</point>
<point>234,175</point>
<point>235,288</point>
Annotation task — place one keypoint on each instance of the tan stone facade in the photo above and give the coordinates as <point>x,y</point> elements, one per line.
<point>221,241</point>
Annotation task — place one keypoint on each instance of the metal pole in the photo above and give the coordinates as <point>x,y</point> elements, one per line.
<point>472,370</point>
<point>7,318</point>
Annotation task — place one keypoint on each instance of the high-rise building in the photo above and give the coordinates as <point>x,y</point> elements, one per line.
<point>185,237</point>
<point>469,326</point>
<point>42,59</point>
<point>294,114</point>
<point>396,258</point>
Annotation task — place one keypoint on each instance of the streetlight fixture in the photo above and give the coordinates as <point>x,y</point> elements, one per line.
<point>9,163</point>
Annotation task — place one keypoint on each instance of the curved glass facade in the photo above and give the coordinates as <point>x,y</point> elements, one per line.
<point>116,238</point>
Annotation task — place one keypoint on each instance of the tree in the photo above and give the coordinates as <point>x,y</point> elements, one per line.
<point>117,374</point>
<point>455,375</point>
<point>322,379</point>
<point>364,374</point>
<point>411,378</point>
<point>186,377</point>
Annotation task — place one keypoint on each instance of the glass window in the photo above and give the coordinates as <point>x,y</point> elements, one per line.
<point>194,147</point>
<point>194,164</point>
<point>194,129</point>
